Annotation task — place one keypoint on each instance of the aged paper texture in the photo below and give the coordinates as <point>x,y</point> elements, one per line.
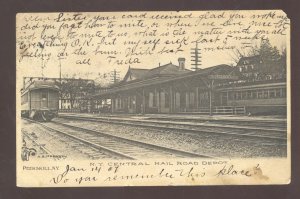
<point>153,98</point>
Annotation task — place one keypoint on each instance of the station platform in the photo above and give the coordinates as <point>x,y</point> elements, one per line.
<point>185,117</point>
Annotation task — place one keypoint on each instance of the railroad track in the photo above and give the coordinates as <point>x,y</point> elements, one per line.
<point>118,146</point>
<point>241,131</point>
<point>76,144</point>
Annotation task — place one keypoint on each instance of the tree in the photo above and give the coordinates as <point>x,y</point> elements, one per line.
<point>272,62</point>
<point>76,89</point>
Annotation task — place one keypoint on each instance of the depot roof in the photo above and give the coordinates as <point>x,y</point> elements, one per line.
<point>152,79</point>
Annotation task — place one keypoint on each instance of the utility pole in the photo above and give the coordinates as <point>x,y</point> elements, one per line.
<point>211,93</point>
<point>59,70</point>
<point>43,66</point>
<point>115,76</point>
<point>196,54</point>
<point>60,83</point>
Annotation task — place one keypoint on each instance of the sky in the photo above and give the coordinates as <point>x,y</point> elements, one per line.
<point>35,29</point>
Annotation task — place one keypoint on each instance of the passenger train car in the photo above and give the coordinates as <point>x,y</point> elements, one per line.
<point>40,100</point>
<point>259,98</point>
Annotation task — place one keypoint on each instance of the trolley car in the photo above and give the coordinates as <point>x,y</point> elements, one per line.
<point>40,100</point>
<point>259,98</point>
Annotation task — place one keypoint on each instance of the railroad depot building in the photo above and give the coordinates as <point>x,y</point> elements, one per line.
<point>172,88</point>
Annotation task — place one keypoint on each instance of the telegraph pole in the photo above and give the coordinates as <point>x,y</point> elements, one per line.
<point>115,76</point>
<point>43,66</point>
<point>196,54</point>
<point>60,83</point>
<point>59,70</point>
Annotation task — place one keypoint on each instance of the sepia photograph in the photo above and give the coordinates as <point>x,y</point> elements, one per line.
<point>153,98</point>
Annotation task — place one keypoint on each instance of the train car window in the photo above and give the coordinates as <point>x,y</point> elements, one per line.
<point>278,92</point>
<point>259,94</point>
<point>244,95</point>
<point>249,94</point>
<point>254,94</point>
<point>266,93</point>
<point>272,93</point>
<point>283,92</point>
<point>238,95</point>
<point>44,96</point>
<point>231,95</point>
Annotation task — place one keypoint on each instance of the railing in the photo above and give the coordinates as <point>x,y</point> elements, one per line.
<point>69,111</point>
<point>230,110</point>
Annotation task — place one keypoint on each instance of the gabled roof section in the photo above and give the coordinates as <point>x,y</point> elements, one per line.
<point>134,73</point>
<point>166,70</point>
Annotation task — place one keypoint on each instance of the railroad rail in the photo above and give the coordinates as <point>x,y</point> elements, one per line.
<point>33,140</point>
<point>233,130</point>
<point>118,146</point>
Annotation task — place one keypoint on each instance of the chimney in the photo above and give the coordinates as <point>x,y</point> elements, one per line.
<point>181,62</point>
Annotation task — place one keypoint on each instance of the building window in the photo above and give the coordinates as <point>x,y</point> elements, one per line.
<point>151,99</point>
<point>192,99</point>
<point>129,102</point>
<point>154,99</point>
<point>167,100</point>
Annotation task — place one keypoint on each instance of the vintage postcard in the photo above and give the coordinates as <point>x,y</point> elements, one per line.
<point>153,98</point>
